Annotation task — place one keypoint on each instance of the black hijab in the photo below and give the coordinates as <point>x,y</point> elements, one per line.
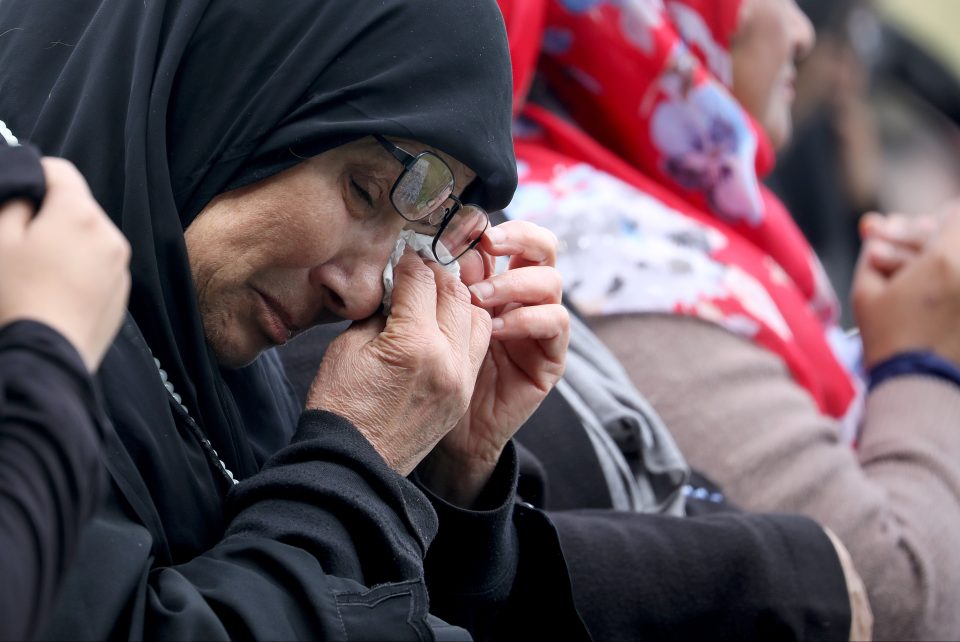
<point>164,104</point>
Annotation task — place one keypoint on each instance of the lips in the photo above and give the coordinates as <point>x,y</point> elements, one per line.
<point>277,321</point>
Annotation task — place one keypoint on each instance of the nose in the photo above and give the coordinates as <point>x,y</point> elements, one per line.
<point>352,290</point>
<point>804,36</point>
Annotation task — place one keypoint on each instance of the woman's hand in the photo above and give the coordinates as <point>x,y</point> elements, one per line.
<point>890,242</point>
<point>915,306</point>
<point>526,357</point>
<point>66,266</point>
<point>406,380</point>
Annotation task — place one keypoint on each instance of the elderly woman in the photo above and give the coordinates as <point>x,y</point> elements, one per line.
<point>262,158</point>
<point>698,279</point>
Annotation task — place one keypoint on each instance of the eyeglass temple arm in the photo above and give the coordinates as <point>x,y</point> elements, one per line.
<point>396,152</point>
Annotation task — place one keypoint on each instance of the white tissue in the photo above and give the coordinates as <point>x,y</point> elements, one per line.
<point>423,245</point>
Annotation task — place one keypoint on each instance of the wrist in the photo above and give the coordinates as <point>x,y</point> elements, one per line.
<point>914,362</point>
<point>458,480</point>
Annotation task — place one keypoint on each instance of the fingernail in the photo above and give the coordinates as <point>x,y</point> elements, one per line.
<point>496,324</point>
<point>482,290</point>
<point>496,236</point>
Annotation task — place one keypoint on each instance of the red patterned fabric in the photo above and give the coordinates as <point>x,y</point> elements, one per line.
<point>654,190</point>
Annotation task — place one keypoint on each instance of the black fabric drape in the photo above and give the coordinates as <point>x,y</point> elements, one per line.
<point>51,431</point>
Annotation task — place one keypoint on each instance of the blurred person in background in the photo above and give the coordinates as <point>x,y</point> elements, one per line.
<point>877,121</point>
<point>700,282</point>
<point>63,289</point>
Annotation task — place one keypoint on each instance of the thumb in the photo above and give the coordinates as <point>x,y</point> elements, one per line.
<point>480,331</point>
<point>14,218</point>
<point>414,293</point>
<point>366,330</point>
<point>869,282</point>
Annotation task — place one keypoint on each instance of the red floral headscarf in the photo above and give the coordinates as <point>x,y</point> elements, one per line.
<point>654,190</point>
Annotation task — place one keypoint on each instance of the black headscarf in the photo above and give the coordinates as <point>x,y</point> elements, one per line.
<point>164,104</point>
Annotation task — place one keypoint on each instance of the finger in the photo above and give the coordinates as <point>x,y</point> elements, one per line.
<point>529,285</point>
<point>868,281</point>
<point>886,257</point>
<point>949,231</point>
<point>527,243</point>
<point>481,327</point>
<point>14,218</point>
<point>907,231</point>
<point>66,187</point>
<point>414,292</point>
<point>472,267</point>
<point>870,224</point>
<point>367,329</point>
<point>548,324</point>
<point>453,308</point>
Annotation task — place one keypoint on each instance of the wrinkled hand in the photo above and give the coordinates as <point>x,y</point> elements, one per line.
<point>406,380</point>
<point>915,306</point>
<point>526,357</point>
<point>66,267</point>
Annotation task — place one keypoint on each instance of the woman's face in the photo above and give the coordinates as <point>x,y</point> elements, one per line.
<point>772,36</point>
<point>303,247</point>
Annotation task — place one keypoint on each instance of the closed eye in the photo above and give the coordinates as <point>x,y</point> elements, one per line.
<point>361,193</point>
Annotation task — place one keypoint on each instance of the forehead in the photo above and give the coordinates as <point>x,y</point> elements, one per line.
<point>375,158</point>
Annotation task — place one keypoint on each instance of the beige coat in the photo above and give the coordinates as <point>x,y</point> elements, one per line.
<point>739,418</point>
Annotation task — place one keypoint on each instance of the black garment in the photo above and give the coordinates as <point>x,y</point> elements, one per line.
<point>21,175</point>
<point>51,429</point>
<point>727,576</point>
<point>51,480</point>
<point>162,105</point>
<point>717,576</point>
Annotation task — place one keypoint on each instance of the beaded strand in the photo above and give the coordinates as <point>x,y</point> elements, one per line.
<point>194,428</point>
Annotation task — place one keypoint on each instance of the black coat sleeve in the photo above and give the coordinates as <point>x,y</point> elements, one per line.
<point>50,474</point>
<point>498,569</point>
<point>325,542</point>
<point>726,576</point>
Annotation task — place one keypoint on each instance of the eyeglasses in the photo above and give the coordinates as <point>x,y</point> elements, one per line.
<point>423,194</point>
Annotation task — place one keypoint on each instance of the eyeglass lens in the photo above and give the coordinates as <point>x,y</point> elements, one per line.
<point>423,188</point>
<point>462,232</point>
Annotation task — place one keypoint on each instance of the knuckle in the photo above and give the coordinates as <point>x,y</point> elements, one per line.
<point>57,165</point>
<point>419,273</point>
<point>553,241</point>
<point>60,170</point>
<point>555,280</point>
<point>448,283</point>
<point>482,318</point>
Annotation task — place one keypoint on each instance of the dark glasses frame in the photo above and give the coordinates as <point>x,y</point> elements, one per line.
<point>408,160</point>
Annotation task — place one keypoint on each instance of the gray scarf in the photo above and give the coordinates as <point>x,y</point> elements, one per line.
<point>642,464</point>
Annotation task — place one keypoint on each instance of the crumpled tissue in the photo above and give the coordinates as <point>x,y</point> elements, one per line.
<point>422,244</point>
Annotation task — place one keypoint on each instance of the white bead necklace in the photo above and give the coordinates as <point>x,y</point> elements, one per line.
<point>207,446</point>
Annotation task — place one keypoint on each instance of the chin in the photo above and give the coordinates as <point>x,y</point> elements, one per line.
<point>779,129</point>
<point>236,353</point>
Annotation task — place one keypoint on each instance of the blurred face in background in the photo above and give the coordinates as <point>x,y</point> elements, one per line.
<point>773,35</point>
